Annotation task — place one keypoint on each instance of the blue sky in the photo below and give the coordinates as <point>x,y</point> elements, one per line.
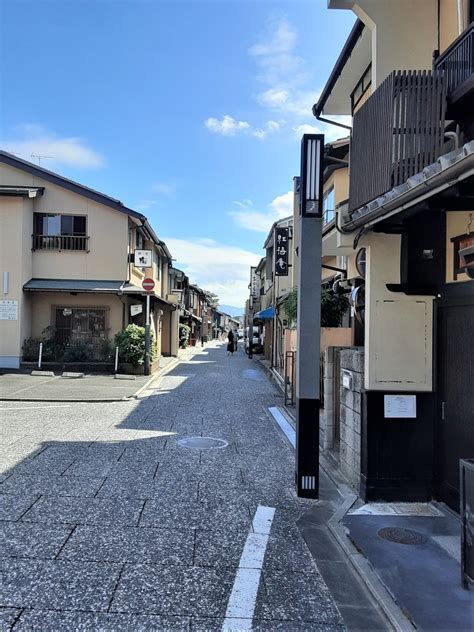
<point>189,111</point>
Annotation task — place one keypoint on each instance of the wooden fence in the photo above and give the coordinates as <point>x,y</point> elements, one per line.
<point>396,133</point>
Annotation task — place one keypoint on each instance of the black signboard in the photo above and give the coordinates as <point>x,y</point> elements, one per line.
<point>281,247</point>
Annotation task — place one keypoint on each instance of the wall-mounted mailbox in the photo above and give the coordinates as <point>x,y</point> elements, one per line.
<point>347,379</point>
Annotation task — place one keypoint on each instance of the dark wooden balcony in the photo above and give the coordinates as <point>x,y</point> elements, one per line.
<point>60,242</point>
<point>457,65</point>
<point>396,133</point>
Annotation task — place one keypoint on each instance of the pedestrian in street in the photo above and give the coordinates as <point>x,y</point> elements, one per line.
<point>236,340</point>
<point>230,344</point>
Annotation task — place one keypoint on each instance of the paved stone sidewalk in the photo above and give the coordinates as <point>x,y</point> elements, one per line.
<point>108,524</point>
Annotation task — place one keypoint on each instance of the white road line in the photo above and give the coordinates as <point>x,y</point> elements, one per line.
<point>284,425</point>
<point>35,407</point>
<point>242,600</point>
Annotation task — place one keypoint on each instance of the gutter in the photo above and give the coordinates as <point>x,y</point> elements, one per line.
<point>429,186</point>
<point>346,52</point>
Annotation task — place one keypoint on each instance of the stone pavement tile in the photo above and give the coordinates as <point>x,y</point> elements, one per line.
<point>219,547</point>
<point>223,547</point>
<point>133,487</point>
<point>91,511</point>
<point>54,485</point>
<point>57,585</point>
<point>130,544</point>
<point>345,587</point>
<point>294,596</point>
<point>31,540</point>
<point>43,620</point>
<point>7,617</point>
<point>195,515</point>
<point>173,590</point>
<point>12,507</point>
<point>54,467</point>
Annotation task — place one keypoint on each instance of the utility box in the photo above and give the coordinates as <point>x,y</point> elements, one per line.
<point>467,518</point>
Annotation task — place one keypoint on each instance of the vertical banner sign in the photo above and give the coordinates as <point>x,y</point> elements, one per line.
<point>309,316</point>
<point>281,251</point>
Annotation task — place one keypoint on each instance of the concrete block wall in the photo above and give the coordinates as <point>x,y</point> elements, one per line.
<point>326,427</point>
<point>352,360</point>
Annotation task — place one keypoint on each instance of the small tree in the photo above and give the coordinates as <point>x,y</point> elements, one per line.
<point>333,307</point>
<point>184,331</point>
<point>131,344</point>
<point>211,299</point>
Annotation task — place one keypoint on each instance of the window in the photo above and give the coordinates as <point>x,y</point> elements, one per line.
<point>59,232</point>
<point>328,206</point>
<point>156,265</point>
<point>139,240</point>
<point>361,88</point>
<point>81,324</point>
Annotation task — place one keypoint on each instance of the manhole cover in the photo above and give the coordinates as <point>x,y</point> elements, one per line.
<point>401,536</point>
<point>202,443</point>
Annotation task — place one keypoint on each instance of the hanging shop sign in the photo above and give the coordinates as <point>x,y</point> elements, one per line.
<point>281,251</point>
<point>143,258</point>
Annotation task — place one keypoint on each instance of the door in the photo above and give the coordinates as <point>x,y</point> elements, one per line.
<point>455,435</point>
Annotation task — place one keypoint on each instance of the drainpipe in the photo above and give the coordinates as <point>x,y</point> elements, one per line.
<point>318,117</point>
<point>460,16</point>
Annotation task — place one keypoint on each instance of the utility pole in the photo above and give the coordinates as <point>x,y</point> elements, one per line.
<point>309,316</point>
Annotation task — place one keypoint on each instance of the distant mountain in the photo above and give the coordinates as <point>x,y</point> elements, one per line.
<point>232,311</point>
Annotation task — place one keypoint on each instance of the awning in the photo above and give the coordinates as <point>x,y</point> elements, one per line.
<point>265,314</point>
<point>89,285</point>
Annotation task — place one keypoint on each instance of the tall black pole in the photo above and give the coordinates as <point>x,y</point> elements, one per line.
<point>309,317</point>
<point>146,368</point>
<point>251,333</point>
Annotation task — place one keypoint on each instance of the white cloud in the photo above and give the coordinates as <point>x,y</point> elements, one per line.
<point>52,149</point>
<point>144,205</point>
<point>227,126</point>
<point>165,188</point>
<point>270,126</point>
<point>280,39</point>
<point>261,221</point>
<point>215,267</point>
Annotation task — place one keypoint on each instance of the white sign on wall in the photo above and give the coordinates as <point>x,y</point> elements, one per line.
<point>143,258</point>
<point>8,310</point>
<point>399,406</point>
<point>136,309</point>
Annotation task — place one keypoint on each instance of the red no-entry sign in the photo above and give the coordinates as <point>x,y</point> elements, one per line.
<point>148,285</point>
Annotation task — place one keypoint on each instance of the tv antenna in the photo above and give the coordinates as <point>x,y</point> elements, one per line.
<point>39,158</point>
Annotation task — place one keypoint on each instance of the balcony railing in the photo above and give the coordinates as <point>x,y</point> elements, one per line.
<point>457,61</point>
<point>396,133</point>
<point>60,242</point>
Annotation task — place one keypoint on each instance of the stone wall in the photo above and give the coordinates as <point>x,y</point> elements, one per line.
<point>351,384</point>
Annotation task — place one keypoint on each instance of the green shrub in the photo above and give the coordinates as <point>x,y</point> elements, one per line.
<point>131,344</point>
<point>333,307</point>
<point>52,350</point>
<point>184,331</point>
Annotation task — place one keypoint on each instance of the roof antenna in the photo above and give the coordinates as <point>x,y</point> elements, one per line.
<point>39,158</point>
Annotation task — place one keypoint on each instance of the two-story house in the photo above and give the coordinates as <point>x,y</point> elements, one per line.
<point>406,77</point>
<point>73,260</point>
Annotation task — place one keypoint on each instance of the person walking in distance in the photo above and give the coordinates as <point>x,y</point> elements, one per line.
<point>230,343</point>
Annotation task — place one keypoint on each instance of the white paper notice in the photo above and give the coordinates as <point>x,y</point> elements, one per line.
<point>8,310</point>
<point>400,406</point>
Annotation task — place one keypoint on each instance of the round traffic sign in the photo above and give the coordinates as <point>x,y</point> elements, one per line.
<point>148,285</point>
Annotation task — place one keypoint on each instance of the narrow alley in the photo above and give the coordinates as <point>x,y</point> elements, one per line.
<point>110,521</point>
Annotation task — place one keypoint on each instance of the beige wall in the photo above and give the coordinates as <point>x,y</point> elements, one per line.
<point>15,258</point>
<point>404,33</point>
<point>451,21</point>
<point>456,224</point>
<point>106,228</point>
<point>399,328</point>
<point>43,303</point>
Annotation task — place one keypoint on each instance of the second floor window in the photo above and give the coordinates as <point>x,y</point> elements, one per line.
<point>328,206</point>
<point>59,232</point>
